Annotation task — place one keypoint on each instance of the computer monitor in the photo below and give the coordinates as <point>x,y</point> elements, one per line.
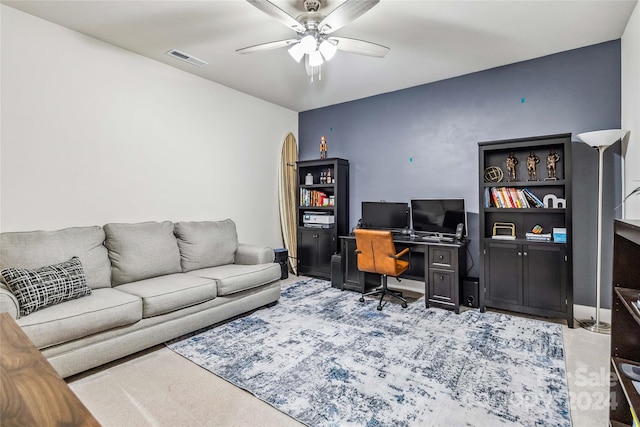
<point>438,215</point>
<point>385,215</point>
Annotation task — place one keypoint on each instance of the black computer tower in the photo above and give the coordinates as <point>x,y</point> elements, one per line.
<point>470,292</point>
<point>337,271</point>
<point>282,258</point>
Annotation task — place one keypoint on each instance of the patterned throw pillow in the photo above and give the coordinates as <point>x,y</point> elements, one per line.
<point>45,286</point>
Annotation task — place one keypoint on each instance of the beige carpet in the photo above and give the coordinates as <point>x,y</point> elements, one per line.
<point>160,388</point>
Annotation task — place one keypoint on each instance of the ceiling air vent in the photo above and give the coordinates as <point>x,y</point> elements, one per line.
<point>187,58</point>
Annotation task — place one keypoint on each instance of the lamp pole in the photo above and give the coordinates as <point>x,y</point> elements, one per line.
<point>600,140</point>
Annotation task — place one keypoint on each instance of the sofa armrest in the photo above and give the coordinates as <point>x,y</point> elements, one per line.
<point>253,254</point>
<point>8,302</point>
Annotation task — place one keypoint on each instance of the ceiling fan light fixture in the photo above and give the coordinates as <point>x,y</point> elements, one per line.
<point>296,52</point>
<point>315,59</point>
<point>308,43</point>
<point>328,49</point>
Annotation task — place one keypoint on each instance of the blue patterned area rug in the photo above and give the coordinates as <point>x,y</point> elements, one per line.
<point>326,359</point>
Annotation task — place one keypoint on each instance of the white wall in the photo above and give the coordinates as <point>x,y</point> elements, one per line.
<point>631,108</point>
<point>92,134</point>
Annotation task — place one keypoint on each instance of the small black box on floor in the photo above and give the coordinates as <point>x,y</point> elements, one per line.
<point>337,271</point>
<point>282,258</point>
<point>470,292</point>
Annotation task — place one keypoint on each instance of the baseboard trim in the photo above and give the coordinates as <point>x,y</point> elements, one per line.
<point>581,312</point>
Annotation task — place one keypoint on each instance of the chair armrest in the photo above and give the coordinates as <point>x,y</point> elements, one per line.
<point>8,302</point>
<point>253,254</point>
<point>401,253</point>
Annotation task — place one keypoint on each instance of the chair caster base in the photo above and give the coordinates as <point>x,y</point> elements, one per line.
<point>361,299</point>
<point>404,305</point>
<point>379,308</point>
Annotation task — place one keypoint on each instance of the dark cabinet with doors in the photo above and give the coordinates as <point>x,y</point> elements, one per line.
<point>323,194</point>
<point>525,186</point>
<point>315,247</point>
<point>532,276</point>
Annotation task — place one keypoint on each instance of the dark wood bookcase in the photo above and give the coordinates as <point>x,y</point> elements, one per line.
<point>625,321</point>
<point>316,245</point>
<point>519,274</point>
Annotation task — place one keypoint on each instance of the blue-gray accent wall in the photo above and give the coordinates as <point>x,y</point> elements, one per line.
<point>421,142</point>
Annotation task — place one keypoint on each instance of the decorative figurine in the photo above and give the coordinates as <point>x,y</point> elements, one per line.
<point>323,147</point>
<point>493,174</point>
<point>552,159</point>
<point>511,167</point>
<point>532,163</point>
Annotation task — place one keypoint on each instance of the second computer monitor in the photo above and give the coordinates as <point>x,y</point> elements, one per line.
<point>438,215</point>
<point>385,215</point>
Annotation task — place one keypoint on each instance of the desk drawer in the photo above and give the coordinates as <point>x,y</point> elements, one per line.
<point>442,257</point>
<point>442,287</point>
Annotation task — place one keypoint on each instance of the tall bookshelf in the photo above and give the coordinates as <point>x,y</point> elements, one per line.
<point>520,270</point>
<point>625,322</point>
<point>327,193</point>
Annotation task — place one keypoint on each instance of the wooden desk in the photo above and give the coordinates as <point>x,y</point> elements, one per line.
<point>32,392</point>
<point>440,265</point>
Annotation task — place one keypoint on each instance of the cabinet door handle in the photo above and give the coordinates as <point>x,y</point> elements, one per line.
<point>519,253</point>
<point>525,254</point>
<point>441,257</point>
<point>441,277</point>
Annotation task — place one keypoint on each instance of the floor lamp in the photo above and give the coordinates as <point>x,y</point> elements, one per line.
<point>601,140</point>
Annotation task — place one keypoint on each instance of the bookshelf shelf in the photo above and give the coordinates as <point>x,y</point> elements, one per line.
<point>625,321</point>
<point>523,241</point>
<point>317,208</point>
<point>630,393</point>
<point>521,184</point>
<point>318,186</point>
<point>628,297</point>
<point>529,210</point>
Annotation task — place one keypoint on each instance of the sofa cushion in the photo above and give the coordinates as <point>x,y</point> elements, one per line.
<point>34,249</point>
<point>102,310</point>
<point>164,294</point>
<point>140,251</point>
<point>233,278</point>
<point>206,244</point>
<point>45,286</point>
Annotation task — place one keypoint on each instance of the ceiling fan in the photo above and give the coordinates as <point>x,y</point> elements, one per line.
<point>313,41</point>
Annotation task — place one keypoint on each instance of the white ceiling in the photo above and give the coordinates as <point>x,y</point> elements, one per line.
<point>429,40</point>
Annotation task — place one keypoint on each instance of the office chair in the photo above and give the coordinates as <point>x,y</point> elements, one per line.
<point>376,253</point>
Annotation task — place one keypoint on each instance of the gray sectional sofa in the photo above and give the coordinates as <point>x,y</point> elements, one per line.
<point>148,283</point>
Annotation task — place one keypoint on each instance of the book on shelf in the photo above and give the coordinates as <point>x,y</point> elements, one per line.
<point>636,305</point>
<point>512,198</point>
<point>313,198</point>
<point>535,200</point>
<point>546,237</point>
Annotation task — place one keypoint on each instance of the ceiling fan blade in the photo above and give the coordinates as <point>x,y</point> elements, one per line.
<point>345,13</point>
<point>267,46</point>
<point>275,12</point>
<point>360,47</point>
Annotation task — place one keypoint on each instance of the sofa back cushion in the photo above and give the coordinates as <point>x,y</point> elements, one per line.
<point>35,249</point>
<point>206,244</point>
<point>141,251</point>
